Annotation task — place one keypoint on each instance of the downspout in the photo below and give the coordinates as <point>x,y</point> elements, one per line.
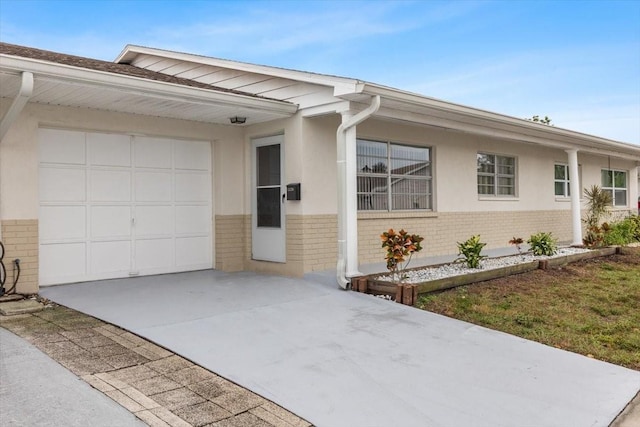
<point>347,218</point>
<point>21,99</point>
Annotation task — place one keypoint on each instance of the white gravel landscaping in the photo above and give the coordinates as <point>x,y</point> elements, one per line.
<point>458,268</point>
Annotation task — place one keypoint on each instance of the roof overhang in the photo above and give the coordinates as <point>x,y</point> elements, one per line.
<point>341,84</point>
<point>64,85</point>
<point>417,109</point>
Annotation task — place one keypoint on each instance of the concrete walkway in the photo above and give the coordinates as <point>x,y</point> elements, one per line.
<point>346,359</point>
<point>37,391</point>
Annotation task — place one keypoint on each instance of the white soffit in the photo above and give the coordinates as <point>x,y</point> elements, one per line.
<point>64,85</point>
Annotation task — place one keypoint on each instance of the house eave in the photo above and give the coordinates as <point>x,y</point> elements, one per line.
<point>165,90</point>
<point>430,111</point>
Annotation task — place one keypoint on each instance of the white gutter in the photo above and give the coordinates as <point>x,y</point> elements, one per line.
<point>562,138</point>
<point>21,99</point>
<point>347,265</point>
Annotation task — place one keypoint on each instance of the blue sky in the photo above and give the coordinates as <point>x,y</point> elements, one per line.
<point>575,61</point>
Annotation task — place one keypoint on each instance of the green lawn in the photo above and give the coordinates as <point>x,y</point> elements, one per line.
<point>590,307</point>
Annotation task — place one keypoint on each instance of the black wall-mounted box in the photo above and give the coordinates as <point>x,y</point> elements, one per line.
<point>293,191</point>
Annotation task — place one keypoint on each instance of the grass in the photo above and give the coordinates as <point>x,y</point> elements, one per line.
<point>590,307</point>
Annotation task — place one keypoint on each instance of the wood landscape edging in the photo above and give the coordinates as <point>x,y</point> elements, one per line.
<point>407,294</point>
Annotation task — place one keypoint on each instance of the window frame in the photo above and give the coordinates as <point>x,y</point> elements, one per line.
<point>496,176</point>
<point>613,187</point>
<point>566,197</point>
<point>566,181</point>
<point>390,177</point>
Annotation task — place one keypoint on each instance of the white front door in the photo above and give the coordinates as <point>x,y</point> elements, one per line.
<point>116,205</point>
<point>268,196</point>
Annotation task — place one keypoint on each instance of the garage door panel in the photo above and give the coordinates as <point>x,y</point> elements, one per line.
<point>154,255</point>
<point>62,262</point>
<point>110,257</point>
<point>154,221</point>
<point>192,219</point>
<point>153,186</point>
<point>192,252</point>
<point>110,186</point>
<point>153,152</point>
<point>61,146</point>
<point>110,222</point>
<point>62,222</point>
<point>62,185</point>
<point>112,205</point>
<point>194,155</point>
<point>109,150</point>
<point>192,187</point>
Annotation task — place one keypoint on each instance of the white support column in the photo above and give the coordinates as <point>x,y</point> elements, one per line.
<point>574,186</point>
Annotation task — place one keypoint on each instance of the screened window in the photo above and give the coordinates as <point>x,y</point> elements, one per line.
<point>496,175</point>
<point>561,180</point>
<point>615,182</point>
<point>393,176</point>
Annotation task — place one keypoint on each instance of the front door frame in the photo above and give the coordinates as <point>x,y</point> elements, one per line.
<point>268,243</point>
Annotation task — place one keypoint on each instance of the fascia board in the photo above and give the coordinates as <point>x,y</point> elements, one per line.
<point>146,87</point>
<point>576,139</point>
<point>326,109</point>
<point>131,51</point>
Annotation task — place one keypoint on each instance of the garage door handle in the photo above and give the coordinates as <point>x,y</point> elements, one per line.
<point>133,221</point>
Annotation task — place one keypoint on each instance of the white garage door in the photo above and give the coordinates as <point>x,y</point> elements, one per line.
<point>119,205</point>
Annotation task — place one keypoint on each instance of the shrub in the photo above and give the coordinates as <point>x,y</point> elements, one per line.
<point>398,246</point>
<point>470,250</point>
<point>517,242</point>
<point>598,202</point>
<point>543,244</point>
<point>622,232</point>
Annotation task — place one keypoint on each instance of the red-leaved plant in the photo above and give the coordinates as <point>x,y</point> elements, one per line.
<point>399,246</point>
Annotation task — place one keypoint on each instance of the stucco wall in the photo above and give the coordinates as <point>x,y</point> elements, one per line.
<point>454,167</point>
<point>19,185</point>
<point>310,158</point>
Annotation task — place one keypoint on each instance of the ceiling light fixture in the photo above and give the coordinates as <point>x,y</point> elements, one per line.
<point>237,120</point>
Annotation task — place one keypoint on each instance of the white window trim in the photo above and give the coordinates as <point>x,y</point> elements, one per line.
<point>495,195</point>
<point>389,177</point>
<point>567,198</point>
<point>566,181</point>
<point>614,188</point>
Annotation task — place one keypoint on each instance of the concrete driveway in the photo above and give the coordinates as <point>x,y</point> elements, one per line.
<point>341,358</point>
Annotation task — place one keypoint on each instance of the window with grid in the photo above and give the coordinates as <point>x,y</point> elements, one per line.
<point>496,175</point>
<point>615,182</point>
<point>393,177</point>
<point>561,180</point>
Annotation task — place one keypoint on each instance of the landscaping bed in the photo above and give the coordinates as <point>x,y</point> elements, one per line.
<point>423,280</point>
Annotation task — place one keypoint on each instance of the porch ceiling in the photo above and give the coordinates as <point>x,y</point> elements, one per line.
<point>70,87</point>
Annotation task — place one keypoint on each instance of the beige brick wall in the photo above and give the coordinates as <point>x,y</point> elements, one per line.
<point>20,240</point>
<point>311,245</point>
<point>230,242</point>
<point>442,230</point>
<point>320,241</point>
<point>312,239</point>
